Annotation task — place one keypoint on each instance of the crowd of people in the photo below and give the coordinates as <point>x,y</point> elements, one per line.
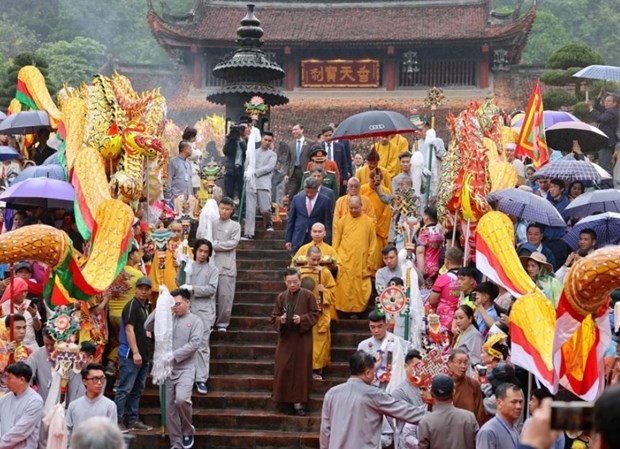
<point>365,243</point>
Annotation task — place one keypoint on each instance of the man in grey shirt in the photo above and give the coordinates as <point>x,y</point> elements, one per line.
<point>500,432</point>
<point>353,412</point>
<point>180,172</point>
<point>447,427</point>
<point>187,334</point>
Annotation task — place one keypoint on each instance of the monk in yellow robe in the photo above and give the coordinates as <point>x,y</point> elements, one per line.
<point>323,287</point>
<point>389,148</point>
<point>355,242</point>
<point>167,276</point>
<point>384,216</point>
<point>363,174</point>
<point>317,232</point>
<point>342,204</point>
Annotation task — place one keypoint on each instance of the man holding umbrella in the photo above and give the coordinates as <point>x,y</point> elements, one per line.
<point>40,150</point>
<point>605,114</point>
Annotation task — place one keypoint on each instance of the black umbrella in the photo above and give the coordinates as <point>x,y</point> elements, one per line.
<point>27,122</point>
<point>373,124</point>
<point>561,135</point>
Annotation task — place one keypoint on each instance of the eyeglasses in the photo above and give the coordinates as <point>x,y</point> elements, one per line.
<point>97,380</point>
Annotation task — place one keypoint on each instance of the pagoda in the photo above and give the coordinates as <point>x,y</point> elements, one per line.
<point>247,72</point>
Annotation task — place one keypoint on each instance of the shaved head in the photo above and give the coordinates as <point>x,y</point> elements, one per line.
<point>318,227</point>
<point>355,205</point>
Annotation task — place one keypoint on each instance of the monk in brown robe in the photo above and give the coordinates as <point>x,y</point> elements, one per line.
<point>294,314</point>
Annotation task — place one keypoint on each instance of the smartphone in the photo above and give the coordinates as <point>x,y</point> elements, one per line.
<point>572,416</point>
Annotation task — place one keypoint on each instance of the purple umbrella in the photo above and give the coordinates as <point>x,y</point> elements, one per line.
<point>527,206</point>
<point>551,118</point>
<point>39,192</point>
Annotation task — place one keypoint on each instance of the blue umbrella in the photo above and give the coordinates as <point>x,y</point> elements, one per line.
<point>597,201</point>
<point>9,154</point>
<point>569,170</point>
<point>599,72</point>
<point>527,206</point>
<point>606,226</point>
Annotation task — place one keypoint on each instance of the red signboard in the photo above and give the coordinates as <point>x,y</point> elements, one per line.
<point>340,73</point>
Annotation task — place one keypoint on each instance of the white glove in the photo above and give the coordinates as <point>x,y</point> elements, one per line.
<point>426,172</point>
<point>187,287</point>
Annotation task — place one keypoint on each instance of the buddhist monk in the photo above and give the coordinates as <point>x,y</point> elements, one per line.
<point>389,148</point>
<point>363,173</point>
<point>342,205</point>
<point>355,242</point>
<point>383,213</point>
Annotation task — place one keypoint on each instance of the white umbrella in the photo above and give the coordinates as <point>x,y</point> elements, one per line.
<point>600,72</point>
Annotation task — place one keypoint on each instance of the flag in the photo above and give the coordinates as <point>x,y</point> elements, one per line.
<point>532,142</point>
<point>532,319</point>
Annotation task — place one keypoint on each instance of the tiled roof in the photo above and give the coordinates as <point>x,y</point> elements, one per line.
<point>295,26</point>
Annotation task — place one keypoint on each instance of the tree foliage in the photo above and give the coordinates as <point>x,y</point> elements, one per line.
<point>555,99</point>
<point>548,34</point>
<point>9,86</point>
<point>73,62</point>
<point>573,55</point>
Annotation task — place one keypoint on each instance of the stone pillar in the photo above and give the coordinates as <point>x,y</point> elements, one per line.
<point>290,82</point>
<point>483,67</point>
<point>199,62</point>
<point>390,69</point>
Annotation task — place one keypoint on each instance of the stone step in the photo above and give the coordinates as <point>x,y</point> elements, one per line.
<point>250,253</point>
<point>263,323</point>
<point>253,264</point>
<point>260,337</point>
<point>262,242</point>
<point>245,366</point>
<point>264,272</point>
<point>218,400</point>
<point>273,286</point>
<point>257,297</point>
<point>225,350</point>
<point>263,383</point>
<point>244,420</point>
<point>234,439</point>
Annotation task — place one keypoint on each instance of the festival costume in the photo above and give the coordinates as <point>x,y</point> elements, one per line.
<point>355,244</point>
<point>293,361</point>
<point>342,208</point>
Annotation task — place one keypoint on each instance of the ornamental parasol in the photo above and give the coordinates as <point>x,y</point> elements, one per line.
<point>41,192</point>
<point>26,122</point>
<point>373,124</point>
<point>561,136</point>
<point>527,206</point>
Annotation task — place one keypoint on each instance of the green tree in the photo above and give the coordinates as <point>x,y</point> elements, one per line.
<point>567,61</point>
<point>555,99</point>
<point>548,34</point>
<point>15,39</point>
<point>73,62</point>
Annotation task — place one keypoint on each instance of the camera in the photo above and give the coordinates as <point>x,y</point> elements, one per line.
<point>572,416</point>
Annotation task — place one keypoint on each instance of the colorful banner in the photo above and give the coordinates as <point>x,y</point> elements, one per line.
<point>340,73</point>
<point>532,142</point>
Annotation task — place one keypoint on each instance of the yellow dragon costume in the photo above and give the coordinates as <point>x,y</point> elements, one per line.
<point>109,135</point>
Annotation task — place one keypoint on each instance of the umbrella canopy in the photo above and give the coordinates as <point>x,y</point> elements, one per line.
<point>561,135</point>
<point>42,192</point>
<point>599,72</point>
<point>27,122</point>
<point>550,117</point>
<point>527,206</point>
<point>569,170</point>
<point>9,154</point>
<point>42,171</point>
<point>606,226</point>
<point>593,202</point>
<point>2,116</point>
<point>373,124</point>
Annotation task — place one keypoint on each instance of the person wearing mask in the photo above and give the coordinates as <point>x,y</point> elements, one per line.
<point>501,432</point>
<point>202,284</point>
<point>447,426</point>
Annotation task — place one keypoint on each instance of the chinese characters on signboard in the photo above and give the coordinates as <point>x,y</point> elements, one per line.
<point>340,73</point>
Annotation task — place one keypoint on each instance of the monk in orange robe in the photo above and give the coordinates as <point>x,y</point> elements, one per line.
<point>382,211</point>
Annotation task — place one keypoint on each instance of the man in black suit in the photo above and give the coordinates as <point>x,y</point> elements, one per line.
<point>306,209</point>
<point>336,152</point>
<point>347,153</point>
<point>605,113</point>
<point>297,158</point>
<point>318,173</point>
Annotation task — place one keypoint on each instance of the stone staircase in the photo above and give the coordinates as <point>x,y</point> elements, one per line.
<point>238,411</point>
